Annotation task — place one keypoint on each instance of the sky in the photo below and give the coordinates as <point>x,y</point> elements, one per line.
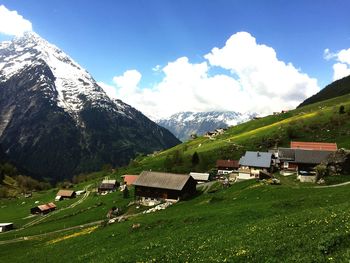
<point>167,56</point>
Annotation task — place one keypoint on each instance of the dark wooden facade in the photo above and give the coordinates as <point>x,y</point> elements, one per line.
<point>187,191</point>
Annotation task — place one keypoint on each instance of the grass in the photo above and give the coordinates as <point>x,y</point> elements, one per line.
<point>249,221</point>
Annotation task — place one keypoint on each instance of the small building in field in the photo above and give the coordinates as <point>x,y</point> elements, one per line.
<point>227,166</point>
<point>108,186</point>
<point>317,146</point>
<point>255,162</point>
<point>65,194</point>
<point>43,209</point>
<point>164,186</point>
<point>129,179</point>
<point>6,227</point>
<point>200,177</point>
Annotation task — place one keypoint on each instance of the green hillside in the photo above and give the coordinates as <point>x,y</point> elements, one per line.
<point>317,122</point>
<point>247,222</point>
<point>337,88</point>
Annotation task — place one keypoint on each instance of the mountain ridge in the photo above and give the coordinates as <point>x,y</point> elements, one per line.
<point>55,121</point>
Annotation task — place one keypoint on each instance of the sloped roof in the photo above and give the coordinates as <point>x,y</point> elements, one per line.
<point>227,163</point>
<point>311,156</point>
<point>106,181</point>
<point>286,154</point>
<point>65,193</point>
<point>46,206</point>
<point>200,176</point>
<point>162,180</point>
<point>256,159</point>
<point>322,146</point>
<point>129,179</point>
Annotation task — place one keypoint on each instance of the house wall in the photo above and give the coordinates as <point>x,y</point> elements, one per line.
<point>245,176</point>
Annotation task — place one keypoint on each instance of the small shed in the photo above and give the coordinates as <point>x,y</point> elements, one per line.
<point>164,186</point>
<point>62,194</point>
<point>108,186</point>
<point>43,209</point>
<point>200,177</point>
<point>6,227</point>
<point>129,179</point>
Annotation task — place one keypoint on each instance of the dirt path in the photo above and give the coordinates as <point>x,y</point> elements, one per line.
<point>335,185</point>
<point>39,219</point>
<point>33,237</point>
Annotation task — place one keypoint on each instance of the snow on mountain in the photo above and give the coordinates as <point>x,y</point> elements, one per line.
<point>74,85</point>
<point>56,121</point>
<point>183,124</point>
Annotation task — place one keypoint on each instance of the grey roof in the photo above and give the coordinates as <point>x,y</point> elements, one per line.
<point>311,156</point>
<point>162,180</point>
<point>200,176</point>
<point>256,159</point>
<point>286,154</point>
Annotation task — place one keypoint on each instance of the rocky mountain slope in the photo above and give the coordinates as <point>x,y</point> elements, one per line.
<point>55,121</point>
<point>335,89</point>
<point>183,124</point>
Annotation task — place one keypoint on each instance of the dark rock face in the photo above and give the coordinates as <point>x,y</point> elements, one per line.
<point>46,140</point>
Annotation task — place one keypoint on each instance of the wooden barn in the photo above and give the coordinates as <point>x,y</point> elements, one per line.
<point>62,194</point>
<point>43,209</point>
<point>164,186</point>
<point>226,166</point>
<point>108,186</point>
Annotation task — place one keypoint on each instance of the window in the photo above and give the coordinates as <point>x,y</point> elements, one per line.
<point>285,165</point>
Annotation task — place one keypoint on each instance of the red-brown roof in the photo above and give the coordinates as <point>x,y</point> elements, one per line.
<point>130,179</point>
<point>314,146</point>
<point>227,163</point>
<point>65,193</point>
<point>47,206</point>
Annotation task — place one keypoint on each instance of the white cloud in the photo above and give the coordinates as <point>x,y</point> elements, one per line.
<point>110,90</point>
<point>259,83</point>
<point>341,69</point>
<point>12,23</point>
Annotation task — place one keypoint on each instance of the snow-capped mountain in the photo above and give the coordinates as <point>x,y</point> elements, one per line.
<point>55,121</point>
<point>183,124</point>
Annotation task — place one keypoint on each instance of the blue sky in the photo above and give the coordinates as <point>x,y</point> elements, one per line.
<point>110,37</point>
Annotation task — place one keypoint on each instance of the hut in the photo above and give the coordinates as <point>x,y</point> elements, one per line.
<point>6,227</point>
<point>43,209</point>
<point>226,166</point>
<point>108,186</point>
<point>63,194</point>
<point>200,177</point>
<point>164,186</point>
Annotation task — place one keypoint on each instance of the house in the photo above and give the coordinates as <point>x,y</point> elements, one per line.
<point>6,227</point>
<point>200,177</point>
<point>227,166</point>
<point>286,161</point>
<point>321,146</point>
<point>63,194</point>
<point>43,209</point>
<point>255,162</point>
<point>129,179</point>
<point>108,186</point>
<point>151,186</point>
<point>301,161</point>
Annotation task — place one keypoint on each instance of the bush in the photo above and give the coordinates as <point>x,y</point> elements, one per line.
<point>321,171</point>
<point>341,109</point>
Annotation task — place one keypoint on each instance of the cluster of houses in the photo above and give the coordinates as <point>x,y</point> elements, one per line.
<point>214,133</point>
<point>300,158</point>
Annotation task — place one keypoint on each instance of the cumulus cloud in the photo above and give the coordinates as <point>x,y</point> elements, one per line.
<point>258,82</point>
<point>341,68</point>
<point>12,23</point>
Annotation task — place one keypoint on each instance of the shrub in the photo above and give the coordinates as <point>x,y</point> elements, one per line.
<point>341,109</point>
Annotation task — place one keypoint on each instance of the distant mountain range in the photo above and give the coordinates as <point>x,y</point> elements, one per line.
<point>335,89</point>
<point>55,121</point>
<point>183,124</point>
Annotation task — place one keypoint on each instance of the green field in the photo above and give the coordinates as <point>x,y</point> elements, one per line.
<point>248,222</point>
